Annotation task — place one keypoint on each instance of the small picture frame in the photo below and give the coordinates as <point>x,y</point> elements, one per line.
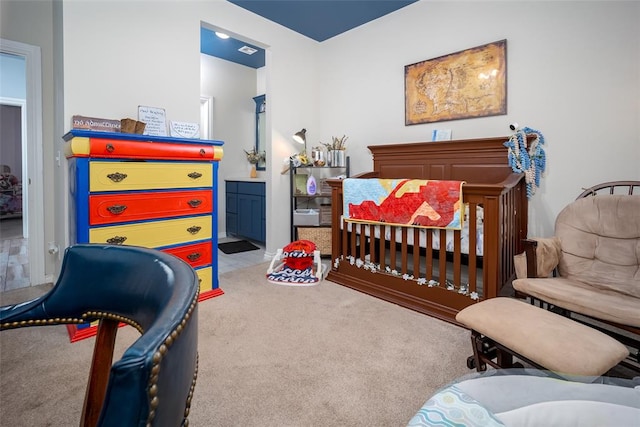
<point>441,135</point>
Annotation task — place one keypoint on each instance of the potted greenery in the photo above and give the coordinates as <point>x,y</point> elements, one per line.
<point>253,157</point>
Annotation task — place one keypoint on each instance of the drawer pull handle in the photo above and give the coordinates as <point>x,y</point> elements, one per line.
<point>194,175</point>
<point>117,209</point>
<point>117,240</point>
<point>194,230</point>
<point>117,177</point>
<point>202,152</point>
<point>194,203</point>
<point>194,256</point>
<point>110,148</point>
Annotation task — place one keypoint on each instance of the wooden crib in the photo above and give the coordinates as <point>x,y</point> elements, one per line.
<point>382,261</point>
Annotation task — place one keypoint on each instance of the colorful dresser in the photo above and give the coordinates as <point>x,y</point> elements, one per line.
<point>156,192</point>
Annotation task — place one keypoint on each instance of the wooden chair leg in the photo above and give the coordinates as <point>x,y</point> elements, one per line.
<point>504,359</point>
<point>477,343</point>
<point>99,372</point>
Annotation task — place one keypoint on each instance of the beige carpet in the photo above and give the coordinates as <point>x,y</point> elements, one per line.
<point>270,355</point>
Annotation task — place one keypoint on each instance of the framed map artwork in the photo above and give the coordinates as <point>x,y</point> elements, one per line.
<point>465,84</point>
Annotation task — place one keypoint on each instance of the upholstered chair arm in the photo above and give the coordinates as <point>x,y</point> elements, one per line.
<point>35,312</point>
<point>540,257</point>
<point>154,292</point>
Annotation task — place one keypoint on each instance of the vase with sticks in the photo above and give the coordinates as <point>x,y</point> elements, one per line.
<point>336,151</point>
<point>253,157</point>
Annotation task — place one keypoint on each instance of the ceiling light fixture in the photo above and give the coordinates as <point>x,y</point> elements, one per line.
<point>222,35</point>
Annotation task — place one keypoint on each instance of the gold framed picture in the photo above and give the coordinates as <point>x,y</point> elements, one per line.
<point>465,84</point>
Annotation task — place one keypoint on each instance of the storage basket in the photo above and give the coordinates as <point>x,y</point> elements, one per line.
<point>325,188</point>
<point>321,236</point>
<point>325,215</point>
<point>306,217</point>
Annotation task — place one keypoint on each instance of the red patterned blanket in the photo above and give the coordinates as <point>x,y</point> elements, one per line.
<point>404,202</point>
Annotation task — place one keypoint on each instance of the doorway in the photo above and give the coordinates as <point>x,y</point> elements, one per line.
<point>25,170</point>
<point>14,266</point>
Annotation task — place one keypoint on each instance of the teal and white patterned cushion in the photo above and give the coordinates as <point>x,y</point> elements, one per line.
<point>451,407</point>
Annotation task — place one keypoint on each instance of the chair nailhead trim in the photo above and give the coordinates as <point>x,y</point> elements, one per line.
<point>155,369</point>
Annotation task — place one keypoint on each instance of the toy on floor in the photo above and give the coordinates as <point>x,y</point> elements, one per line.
<point>301,265</point>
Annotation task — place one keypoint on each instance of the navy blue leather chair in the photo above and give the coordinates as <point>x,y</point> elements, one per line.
<point>157,293</point>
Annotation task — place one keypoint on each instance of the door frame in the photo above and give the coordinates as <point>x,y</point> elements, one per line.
<point>33,177</point>
<point>206,117</point>
<point>22,104</point>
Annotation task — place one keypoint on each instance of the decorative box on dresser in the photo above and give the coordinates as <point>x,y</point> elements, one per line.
<point>139,190</point>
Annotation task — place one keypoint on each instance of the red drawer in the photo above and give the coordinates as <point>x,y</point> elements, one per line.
<point>111,208</point>
<point>196,255</point>
<point>101,147</point>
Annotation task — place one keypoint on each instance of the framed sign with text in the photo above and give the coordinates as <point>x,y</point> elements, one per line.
<point>155,120</point>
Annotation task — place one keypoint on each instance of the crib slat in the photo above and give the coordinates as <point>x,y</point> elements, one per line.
<point>442,267</point>
<point>392,248</point>
<point>403,248</point>
<point>345,238</point>
<point>509,237</point>
<point>473,244</point>
<point>383,247</point>
<point>363,242</point>
<point>352,240</point>
<point>492,257</point>
<point>429,256</point>
<point>372,244</point>
<point>457,263</point>
<point>416,252</point>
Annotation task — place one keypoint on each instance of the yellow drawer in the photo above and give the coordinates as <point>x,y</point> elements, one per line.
<point>155,234</point>
<point>205,276</point>
<point>118,176</point>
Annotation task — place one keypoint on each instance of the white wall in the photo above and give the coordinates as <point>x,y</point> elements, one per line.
<point>32,23</point>
<point>573,73</point>
<point>148,53</point>
<point>232,87</point>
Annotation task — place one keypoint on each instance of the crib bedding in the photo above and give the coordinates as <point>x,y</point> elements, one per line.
<point>529,398</point>
<point>435,239</point>
<point>404,202</point>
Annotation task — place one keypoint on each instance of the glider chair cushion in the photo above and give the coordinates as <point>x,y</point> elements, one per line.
<point>157,293</point>
<point>596,249</point>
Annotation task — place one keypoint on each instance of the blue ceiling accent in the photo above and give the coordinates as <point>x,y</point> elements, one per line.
<point>321,19</point>
<point>213,45</point>
<point>317,19</point>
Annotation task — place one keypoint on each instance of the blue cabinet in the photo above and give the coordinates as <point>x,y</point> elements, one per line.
<point>231,194</point>
<point>245,214</point>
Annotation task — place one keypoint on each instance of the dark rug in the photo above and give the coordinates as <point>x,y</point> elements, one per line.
<point>235,247</point>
